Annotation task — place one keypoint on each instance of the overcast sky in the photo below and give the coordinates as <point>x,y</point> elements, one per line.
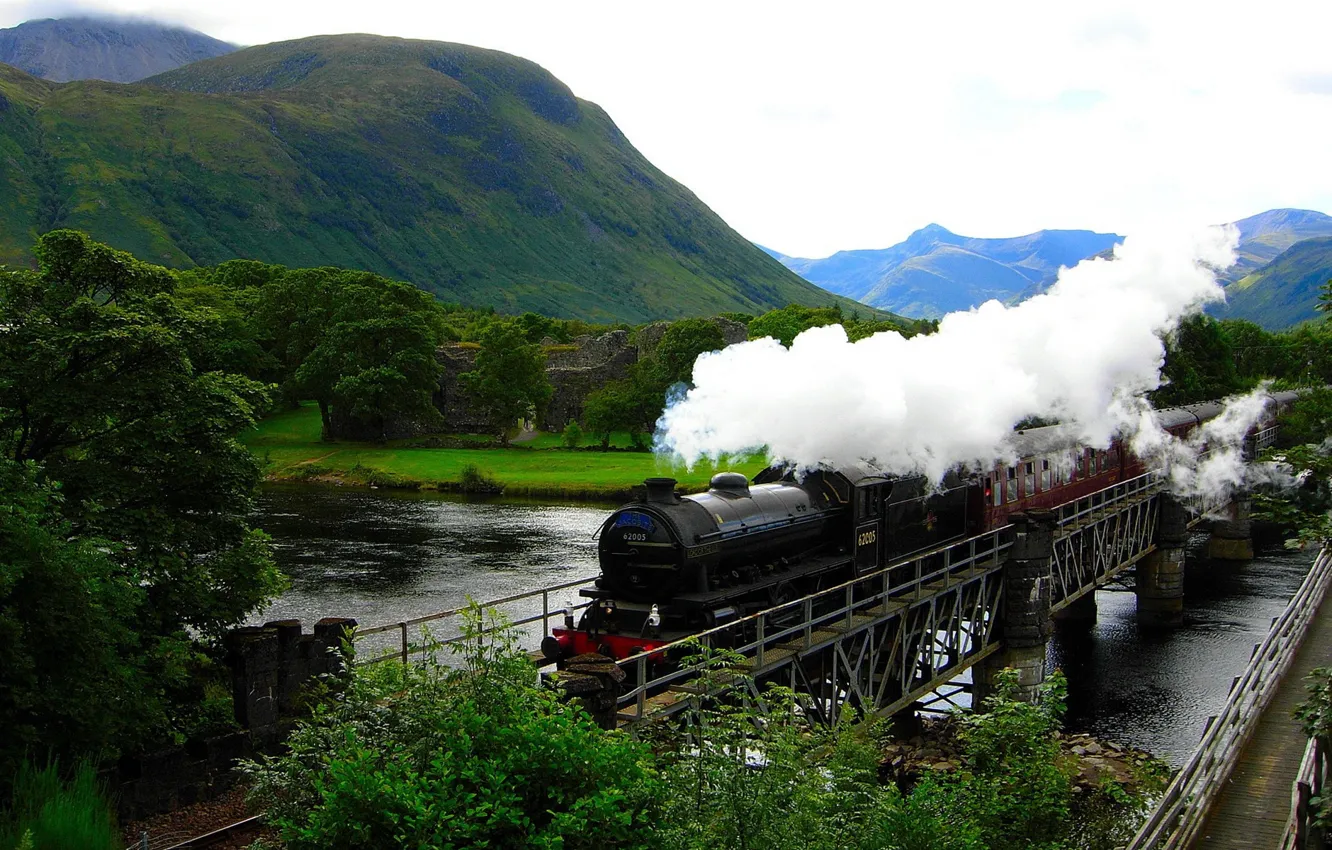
<point>818,126</point>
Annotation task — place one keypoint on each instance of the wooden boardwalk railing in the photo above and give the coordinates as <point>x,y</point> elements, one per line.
<point>1178,820</point>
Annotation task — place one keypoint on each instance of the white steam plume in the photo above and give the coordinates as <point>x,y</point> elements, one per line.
<point>1083,353</point>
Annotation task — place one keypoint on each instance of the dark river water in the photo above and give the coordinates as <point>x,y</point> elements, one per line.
<point>384,557</point>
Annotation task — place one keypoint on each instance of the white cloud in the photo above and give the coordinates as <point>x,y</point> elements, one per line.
<point>814,127</point>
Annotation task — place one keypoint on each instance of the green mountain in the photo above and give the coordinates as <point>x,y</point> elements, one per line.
<point>1283,292</point>
<point>1265,236</point>
<point>935,271</point>
<point>103,49</point>
<point>472,173</point>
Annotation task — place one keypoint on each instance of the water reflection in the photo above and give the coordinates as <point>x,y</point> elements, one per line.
<point>384,557</point>
<point>1154,688</point>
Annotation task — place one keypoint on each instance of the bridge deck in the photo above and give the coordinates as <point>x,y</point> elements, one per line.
<point>1252,810</point>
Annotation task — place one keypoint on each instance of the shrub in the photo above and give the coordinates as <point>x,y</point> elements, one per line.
<point>48,812</point>
<point>476,756</point>
<point>571,436</point>
<point>472,480</point>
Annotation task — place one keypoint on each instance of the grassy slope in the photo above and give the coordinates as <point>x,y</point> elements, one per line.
<point>472,173</point>
<point>1284,292</point>
<point>289,442</point>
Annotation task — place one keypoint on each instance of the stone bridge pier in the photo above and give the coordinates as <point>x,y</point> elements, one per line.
<point>1160,584</point>
<point>1025,623</point>
<point>1232,534</point>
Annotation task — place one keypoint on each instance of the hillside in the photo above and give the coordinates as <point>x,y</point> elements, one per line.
<point>472,173</point>
<point>935,271</point>
<point>103,49</point>
<point>1266,235</point>
<point>1285,291</point>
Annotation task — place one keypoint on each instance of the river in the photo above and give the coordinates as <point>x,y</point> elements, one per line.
<point>382,557</point>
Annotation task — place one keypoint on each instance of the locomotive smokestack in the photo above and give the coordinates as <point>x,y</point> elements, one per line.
<point>661,490</point>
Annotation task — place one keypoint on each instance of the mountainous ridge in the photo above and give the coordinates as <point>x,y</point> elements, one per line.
<point>935,271</point>
<point>1284,292</point>
<point>91,48</point>
<point>1263,237</point>
<point>475,174</point>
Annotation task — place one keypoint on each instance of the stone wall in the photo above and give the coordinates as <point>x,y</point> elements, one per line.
<point>577,370</point>
<point>574,371</point>
<point>271,668</point>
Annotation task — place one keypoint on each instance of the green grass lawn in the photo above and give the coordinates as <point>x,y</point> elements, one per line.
<point>288,443</point>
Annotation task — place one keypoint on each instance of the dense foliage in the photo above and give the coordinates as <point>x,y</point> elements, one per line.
<point>125,544</point>
<point>509,382</point>
<point>481,755</point>
<point>469,757</point>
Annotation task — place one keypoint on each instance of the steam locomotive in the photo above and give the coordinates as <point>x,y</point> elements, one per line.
<point>675,565</point>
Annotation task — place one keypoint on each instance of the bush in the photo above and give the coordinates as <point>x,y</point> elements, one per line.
<point>571,436</point>
<point>472,480</point>
<point>477,756</point>
<point>49,813</point>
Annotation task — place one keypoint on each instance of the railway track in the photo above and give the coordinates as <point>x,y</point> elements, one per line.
<point>241,829</point>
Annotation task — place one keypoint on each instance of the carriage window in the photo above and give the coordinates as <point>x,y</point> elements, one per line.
<point>1045,474</point>
<point>993,491</point>
<point>1100,461</point>
<point>1010,486</point>
<point>1029,479</point>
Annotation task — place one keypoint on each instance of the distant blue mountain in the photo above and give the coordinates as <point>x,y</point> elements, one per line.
<point>935,271</point>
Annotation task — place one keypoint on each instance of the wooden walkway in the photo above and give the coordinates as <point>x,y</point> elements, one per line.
<point>1253,808</point>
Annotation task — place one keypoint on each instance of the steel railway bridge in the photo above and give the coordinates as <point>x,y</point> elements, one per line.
<point>910,634</point>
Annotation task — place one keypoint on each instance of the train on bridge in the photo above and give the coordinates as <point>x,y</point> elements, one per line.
<point>672,566</point>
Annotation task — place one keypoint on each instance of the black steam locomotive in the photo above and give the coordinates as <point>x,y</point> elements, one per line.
<point>673,566</point>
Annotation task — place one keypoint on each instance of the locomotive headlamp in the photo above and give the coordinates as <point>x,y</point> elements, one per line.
<point>568,614</point>
<point>653,622</point>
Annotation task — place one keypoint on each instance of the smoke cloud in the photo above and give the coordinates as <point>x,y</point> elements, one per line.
<point>1083,354</point>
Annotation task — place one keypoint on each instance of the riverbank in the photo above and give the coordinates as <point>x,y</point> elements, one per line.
<point>288,444</point>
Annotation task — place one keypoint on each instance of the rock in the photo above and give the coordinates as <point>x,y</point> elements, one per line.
<point>1093,748</point>
<point>1079,751</point>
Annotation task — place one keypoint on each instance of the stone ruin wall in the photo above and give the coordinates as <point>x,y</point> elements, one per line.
<point>574,370</point>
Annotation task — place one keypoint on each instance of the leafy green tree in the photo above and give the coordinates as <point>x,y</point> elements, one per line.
<point>786,324</point>
<point>1199,364</point>
<point>69,650</point>
<point>97,386</point>
<point>509,382</point>
<point>681,344</point>
<point>1324,297</point>
<point>1012,786</point>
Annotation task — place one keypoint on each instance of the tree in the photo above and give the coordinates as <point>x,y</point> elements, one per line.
<point>680,346</point>
<point>69,652</point>
<point>1199,364</point>
<point>354,340</point>
<point>1324,297</point>
<point>375,360</point>
<point>509,382</point>
<point>98,389</point>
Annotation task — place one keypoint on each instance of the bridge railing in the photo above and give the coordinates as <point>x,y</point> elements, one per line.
<point>1183,808</point>
<point>779,634</point>
<point>399,641</point>
<point>1310,782</point>
<point>1089,506</point>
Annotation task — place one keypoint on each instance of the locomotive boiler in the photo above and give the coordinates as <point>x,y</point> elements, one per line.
<point>675,565</point>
